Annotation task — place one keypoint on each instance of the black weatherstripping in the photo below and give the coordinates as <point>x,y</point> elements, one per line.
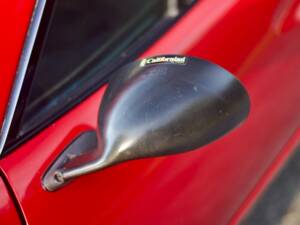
<point>159,106</point>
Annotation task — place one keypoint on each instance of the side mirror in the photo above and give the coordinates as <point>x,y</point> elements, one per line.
<point>161,106</point>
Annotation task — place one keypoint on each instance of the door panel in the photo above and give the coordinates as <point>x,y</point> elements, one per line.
<point>200,187</point>
<point>8,212</point>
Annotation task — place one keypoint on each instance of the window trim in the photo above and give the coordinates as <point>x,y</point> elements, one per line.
<point>21,70</point>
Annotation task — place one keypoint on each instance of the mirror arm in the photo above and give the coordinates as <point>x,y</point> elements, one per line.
<point>63,176</point>
<point>86,155</point>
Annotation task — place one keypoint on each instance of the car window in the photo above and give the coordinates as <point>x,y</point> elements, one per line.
<point>78,45</point>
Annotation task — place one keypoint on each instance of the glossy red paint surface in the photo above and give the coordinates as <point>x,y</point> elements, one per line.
<point>267,177</point>
<point>8,213</point>
<point>14,21</point>
<point>256,40</point>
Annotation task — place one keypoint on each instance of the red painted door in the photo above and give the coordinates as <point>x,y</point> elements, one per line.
<point>8,212</point>
<point>255,40</point>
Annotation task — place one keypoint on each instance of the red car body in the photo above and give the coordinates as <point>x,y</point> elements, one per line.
<point>258,41</point>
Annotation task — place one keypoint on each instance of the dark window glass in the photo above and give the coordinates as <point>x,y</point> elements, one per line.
<point>79,44</point>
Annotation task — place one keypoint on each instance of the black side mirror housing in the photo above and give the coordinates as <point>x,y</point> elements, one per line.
<point>168,104</point>
<point>157,106</point>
